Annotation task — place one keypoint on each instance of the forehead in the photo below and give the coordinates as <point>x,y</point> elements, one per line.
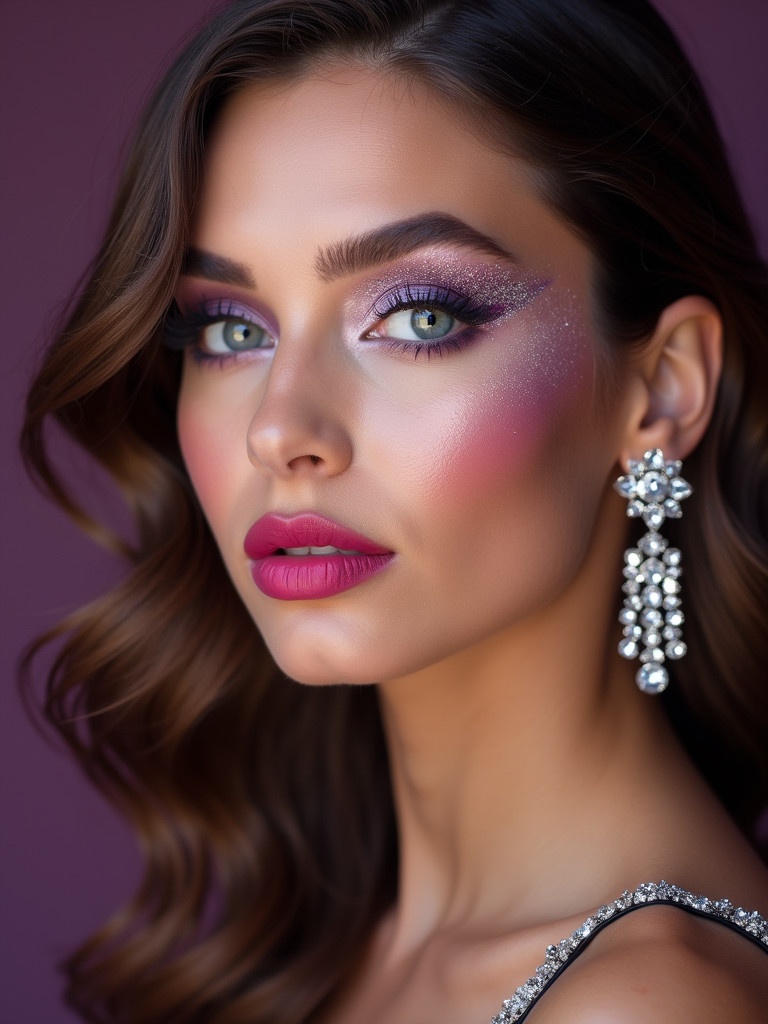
<point>351,134</point>
<point>292,166</point>
<point>359,125</point>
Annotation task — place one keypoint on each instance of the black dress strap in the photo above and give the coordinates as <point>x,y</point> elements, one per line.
<point>750,924</point>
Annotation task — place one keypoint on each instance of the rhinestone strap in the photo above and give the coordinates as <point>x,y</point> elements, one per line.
<point>751,924</point>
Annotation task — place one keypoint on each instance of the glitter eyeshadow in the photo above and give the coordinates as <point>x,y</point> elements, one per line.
<point>504,289</point>
<point>554,348</point>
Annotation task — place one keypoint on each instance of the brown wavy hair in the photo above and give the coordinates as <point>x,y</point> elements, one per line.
<point>263,807</point>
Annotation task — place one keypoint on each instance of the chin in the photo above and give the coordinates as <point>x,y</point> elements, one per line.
<point>323,663</point>
<point>332,660</point>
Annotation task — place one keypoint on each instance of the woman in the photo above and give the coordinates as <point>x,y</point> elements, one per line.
<point>391,295</point>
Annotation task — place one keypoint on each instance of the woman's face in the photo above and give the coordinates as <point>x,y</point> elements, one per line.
<point>386,328</point>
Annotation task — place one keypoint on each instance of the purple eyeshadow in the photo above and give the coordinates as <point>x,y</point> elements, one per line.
<point>501,289</point>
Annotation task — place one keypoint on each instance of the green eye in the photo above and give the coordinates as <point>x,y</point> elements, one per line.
<point>418,324</point>
<point>234,336</point>
<point>427,323</point>
<point>237,335</point>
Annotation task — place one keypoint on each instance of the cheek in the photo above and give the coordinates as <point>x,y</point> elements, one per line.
<point>209,446</point>
<point>521,414</point>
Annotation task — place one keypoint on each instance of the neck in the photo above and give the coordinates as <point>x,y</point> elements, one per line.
<point>530,752</point>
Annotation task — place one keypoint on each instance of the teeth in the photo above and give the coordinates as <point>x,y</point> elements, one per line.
<point>327,550</point>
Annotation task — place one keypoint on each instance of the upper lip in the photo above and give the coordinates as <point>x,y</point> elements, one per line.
<point>307,529</point>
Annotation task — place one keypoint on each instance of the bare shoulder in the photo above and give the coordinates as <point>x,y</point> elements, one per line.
<point>666,966</point>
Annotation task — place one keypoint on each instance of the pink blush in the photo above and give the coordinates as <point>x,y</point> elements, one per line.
<point>524,403</point>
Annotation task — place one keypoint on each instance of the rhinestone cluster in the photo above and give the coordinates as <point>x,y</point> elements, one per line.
<point>652,616</point>
<point>649,892</point>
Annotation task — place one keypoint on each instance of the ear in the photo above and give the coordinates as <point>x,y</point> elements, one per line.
<point>675,380</point>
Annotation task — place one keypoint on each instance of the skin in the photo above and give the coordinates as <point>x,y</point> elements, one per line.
<point>532,780</point>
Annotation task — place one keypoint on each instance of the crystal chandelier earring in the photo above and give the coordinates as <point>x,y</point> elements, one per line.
<point>652,615</point>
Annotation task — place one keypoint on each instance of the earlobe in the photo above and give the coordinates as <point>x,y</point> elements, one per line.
<point>676,380</point>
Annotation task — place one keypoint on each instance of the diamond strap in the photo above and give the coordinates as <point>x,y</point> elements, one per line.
<point>749,923</point>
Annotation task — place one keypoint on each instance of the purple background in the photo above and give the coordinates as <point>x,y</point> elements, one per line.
<point>73,74</point>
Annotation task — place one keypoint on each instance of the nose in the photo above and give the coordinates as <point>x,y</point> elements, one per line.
<point>298,427</point>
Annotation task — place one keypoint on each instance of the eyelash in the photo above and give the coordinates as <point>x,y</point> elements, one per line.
<point>182,329</point>
<point>461,307</point>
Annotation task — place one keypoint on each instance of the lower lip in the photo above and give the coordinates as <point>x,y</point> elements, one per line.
<point>308,577</point>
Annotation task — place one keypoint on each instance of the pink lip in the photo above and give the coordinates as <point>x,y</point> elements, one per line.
<point>307,577</point>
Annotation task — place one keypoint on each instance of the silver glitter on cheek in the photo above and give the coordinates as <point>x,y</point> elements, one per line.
<point>552,348</point>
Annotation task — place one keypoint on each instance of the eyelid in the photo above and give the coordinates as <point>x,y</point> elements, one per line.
<point>469,310</point>
<point>501,288</point>
<point>233,309</point>
<point>406,291</point>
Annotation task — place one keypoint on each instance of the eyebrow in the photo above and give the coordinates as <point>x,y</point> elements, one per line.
<point>352,255</point>
<point>400,238</point>
<point>200,263</point>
